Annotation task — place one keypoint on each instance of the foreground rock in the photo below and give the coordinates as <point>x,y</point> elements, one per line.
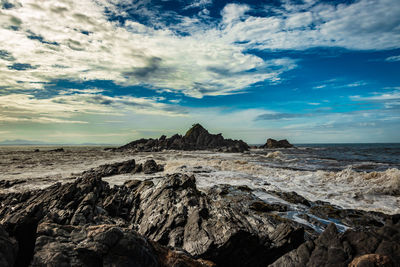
<point>197,138</point>
<point>8,249</point>
<point>169,222</point>
<point>217,226</point>
<point>374,247</point>
<point>101,245</point>
<point>272,143</point>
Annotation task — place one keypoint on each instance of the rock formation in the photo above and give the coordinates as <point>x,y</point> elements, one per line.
<point>169,222</point>
<point>272,143</point>
<point>196,138</point>
<point>373,247</point>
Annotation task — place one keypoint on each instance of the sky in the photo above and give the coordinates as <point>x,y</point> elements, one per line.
<point>111,71</point>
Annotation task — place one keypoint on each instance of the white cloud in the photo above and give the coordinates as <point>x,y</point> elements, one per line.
<point>64,108</point>
<point>74,40</point>
<point>365,24</point>
<point>393,59</point>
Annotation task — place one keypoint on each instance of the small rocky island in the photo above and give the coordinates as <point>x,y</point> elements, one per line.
<point>196,138</point>
<point>272,143</point>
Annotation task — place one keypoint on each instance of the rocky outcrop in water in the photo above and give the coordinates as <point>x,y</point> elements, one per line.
<point>197,138</point>
<point>129,166</point>
<point>169,222</point>
<point>272,143</point>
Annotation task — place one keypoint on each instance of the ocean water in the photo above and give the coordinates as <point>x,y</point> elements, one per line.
<point>359,176</point>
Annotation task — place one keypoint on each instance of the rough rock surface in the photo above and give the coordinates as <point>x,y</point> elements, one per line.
<point>8,184</point>
<point>334,249</point>
<point>272,143</point>
<point>129,166</point>
<point>169,222</point>
<point>197,138</point>
<point>101,245</point>
<point>217,226</point>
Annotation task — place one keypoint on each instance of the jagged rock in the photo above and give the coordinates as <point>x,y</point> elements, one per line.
<point>213,226</point>
<point>267,207</point>
<point>353,218</point>
<point>10,183</point>
<point>101,245</point>
<point>216,225</point>
<point>111,169</point>
<point>272,143</point>
<point>334,249</point>
<point>196,138</point>
<point>8,249</point>
<point>150,166</point>
<point>128,166</point>
<point>291,197</point>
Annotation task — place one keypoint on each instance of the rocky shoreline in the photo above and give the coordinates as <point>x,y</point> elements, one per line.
<point>169,222</point>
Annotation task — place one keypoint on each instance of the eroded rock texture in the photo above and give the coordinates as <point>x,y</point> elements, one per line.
<point>354,248</point>
<point>169,222</point>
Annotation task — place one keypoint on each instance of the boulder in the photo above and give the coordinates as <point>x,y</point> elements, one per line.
<point>150,166</point>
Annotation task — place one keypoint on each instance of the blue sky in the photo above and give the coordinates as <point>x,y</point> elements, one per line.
<point>112,71</point>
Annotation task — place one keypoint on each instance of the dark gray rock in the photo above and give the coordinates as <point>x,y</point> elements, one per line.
<point>272,143</point>
<point>8,249</point>
<point>10,183</point>
<point>111,169</point>
<point>334,249</point>
<point>291,197</point>
<point>216,225</point>
<point>196,138</point>
<point>101,245</point>
<point>150,166</point>
<point>80,223</point>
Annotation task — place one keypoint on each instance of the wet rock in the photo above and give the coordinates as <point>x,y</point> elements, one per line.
<point>272,143</point>
<point>267,207</point>
<point>350,217</point>
<point>291,197</point>
<point>150,166</point>
<point>196,138</point>
<point>111,169</point>
<point>352,247</point>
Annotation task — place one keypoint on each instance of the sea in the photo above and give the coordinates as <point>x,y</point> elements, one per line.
<point>357,176</point>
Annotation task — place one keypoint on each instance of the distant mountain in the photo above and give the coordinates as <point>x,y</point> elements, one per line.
<point>22,142</point>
